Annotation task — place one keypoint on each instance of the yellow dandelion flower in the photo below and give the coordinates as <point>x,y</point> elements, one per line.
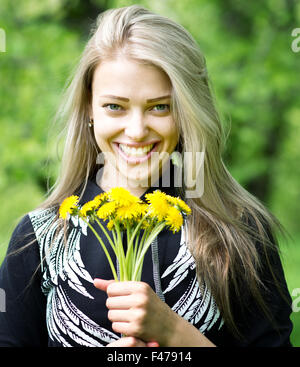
<point>100,199</point>
<point>159,205</point>
<point>174,219</point>
<point>93,204</point>
<point>87,207</point>
<point>107,210</point>
<point>156,195</point>
<point>125,212</point>
<point>141,209</point>
<point>110,225</point>
<point>133,211</point>
<point>145,225</point>
<point>67,206</point>
<point>121,196</point>
<point>180,203</point>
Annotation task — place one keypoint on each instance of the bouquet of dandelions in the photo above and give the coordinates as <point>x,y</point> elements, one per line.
<point>126,212</point>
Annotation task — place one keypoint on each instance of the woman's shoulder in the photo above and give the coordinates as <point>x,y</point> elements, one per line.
<point>22,233</point>
<point>43,217</point>
<point>31,228</point>
<point>44,222</point>
<point>43,213</point>
<point>29,223</point>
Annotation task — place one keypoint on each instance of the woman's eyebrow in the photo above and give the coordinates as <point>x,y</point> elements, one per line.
<point>127,99</point>
<point>158,99</point>
<point>116,97</point>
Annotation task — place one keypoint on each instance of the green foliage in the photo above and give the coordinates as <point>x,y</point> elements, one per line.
<point>252,67</point>
<point>291,260</point>
<point>38,59</point>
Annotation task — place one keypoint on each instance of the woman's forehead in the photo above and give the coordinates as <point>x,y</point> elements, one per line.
<point>123,77</point>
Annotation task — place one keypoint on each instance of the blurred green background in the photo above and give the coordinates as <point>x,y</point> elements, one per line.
<point>251,62</point>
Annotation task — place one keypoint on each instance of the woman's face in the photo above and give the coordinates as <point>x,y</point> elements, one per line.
<point>131,108</point>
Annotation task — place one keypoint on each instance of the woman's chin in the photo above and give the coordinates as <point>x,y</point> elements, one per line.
<point>140,177</point>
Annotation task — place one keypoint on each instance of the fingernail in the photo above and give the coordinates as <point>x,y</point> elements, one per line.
<point>95,280</point>
<point>153,344</point>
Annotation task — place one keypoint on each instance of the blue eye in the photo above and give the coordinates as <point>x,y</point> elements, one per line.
<point>112,107</point>
<point>161,107</point>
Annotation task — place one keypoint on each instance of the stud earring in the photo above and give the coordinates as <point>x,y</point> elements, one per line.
<point>91,122</point>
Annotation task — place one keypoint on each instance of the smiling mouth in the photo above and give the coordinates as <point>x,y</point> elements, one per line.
<point>134,155</point>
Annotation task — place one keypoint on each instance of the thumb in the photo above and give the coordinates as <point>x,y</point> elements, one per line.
<point>102,284</point>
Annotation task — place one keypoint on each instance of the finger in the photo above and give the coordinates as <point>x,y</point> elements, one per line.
<point>152,344</point>
<point>119,303</point>
<point>123,328</point>
<point>128,341</point>
<point>125,288</point>
<point>119,315</point>
<point>139,343</point>
<point>102,284</point>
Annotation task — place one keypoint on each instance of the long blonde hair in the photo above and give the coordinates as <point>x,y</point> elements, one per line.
<point>229,229</point>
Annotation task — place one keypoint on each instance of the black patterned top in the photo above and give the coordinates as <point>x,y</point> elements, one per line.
<point>51,299</point>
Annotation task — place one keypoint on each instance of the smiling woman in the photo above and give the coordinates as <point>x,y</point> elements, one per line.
<point>133,129</point>
<point>140,93</point>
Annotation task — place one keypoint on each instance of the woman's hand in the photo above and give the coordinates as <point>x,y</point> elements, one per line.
<point>130,341</point>
<point>136,311</point>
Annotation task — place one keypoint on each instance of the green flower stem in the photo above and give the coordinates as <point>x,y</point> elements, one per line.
<point>118,255</point>
<point>114,233</point>
<point>142,244</point>
<point>130,259</point>
<point>138,243</point>
<point>121,254</point>
<point>151,237</point>
<point>139,274</point>
<point>106,234</point>
<point>105,250</point>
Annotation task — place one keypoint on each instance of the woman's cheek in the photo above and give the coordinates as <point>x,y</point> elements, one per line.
<point>104,134</point>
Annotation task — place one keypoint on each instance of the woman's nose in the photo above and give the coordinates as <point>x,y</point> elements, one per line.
<point>136,127</point>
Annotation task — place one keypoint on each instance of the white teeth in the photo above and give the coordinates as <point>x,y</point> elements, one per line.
<point>140,152</point>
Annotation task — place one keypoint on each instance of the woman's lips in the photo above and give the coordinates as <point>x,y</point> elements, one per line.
<point>136,160</point>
